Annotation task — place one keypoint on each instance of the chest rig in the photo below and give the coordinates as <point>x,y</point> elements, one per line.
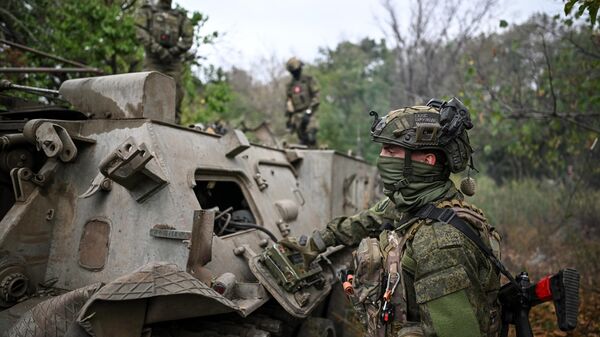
<point>377,289</point>
<point>299,92</point>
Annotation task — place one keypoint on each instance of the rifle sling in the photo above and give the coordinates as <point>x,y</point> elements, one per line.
<point>447,215</point>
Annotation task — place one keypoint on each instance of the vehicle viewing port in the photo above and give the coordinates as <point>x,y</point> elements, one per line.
<point>234,213</point>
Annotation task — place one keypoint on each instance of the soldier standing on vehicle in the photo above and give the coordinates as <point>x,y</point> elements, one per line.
<point>423,276</point>
<point>301,104</point>
<point>167,34</point>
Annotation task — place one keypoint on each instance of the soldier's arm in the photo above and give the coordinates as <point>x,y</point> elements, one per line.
<point>187,35</point>
<point>451,276</point>
<point>289,106</point>
<point>315,92</point>
<point>350,230</point>
<point>142,18</point>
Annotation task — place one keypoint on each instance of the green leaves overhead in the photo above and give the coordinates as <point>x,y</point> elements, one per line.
<point>591,6</point>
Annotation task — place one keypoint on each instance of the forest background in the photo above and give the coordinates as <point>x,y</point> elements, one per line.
<point>533,90</point>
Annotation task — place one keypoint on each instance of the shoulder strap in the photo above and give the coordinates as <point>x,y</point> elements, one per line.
<point>448,215</point>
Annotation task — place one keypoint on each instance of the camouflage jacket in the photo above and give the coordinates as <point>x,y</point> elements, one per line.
<point>158,28</point>
<point>451,287</point>
<point>302,94</point>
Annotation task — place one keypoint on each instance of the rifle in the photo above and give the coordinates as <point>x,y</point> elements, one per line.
<point>517,299</point>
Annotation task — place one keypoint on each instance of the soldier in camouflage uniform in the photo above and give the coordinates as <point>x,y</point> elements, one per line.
<point>167,34</point>
<point>449,286</point>
<point>302,102</point>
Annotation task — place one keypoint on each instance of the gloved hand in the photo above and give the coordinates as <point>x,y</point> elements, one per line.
<point>162,52</point>
<point>304,246</point>
<point>306,118</point>
<point>174,51</point>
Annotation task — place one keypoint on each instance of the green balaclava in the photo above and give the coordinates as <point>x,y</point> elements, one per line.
<point>412,196</point>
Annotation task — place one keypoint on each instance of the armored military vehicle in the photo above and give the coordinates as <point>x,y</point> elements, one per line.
<point>116,222</point>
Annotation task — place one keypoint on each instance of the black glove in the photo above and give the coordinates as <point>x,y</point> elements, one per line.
<point>307,247</point>
<point>174,51</point>
<point>306,119</point>
<point>163,53</point>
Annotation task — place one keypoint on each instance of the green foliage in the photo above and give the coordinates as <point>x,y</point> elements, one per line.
<point>208,102</point>
<point>591,6</point>
<point>100,34</point>
<point>354,79</point>
<point>198,20</point>
<point>96,33</point>
<point>536,93</point>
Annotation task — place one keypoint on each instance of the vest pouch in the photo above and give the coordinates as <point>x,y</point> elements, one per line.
<point>300,94</point>
<point>495,239</point>
<point>367,284</point>
<point>392,246</point>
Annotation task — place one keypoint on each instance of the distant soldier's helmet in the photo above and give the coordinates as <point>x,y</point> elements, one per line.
<point>438,126</point>
<point>293,64</point>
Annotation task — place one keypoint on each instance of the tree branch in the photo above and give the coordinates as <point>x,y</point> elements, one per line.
<point>535,115</point>
<point>18,22</point>
<point>580,48</point>
<point>393,22</point>
<point>127,5</point>
<point>549,68</point>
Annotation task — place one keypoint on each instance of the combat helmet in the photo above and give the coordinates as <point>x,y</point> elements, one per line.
<point>437,126</point>
<point>293,64</point>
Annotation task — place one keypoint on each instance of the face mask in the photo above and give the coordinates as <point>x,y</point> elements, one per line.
<point>416,194</point>
<point>391,169</point>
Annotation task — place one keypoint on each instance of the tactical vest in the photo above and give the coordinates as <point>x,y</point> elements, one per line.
<point>378,291</point>
<point>299,92</point>
<point>165,27</point>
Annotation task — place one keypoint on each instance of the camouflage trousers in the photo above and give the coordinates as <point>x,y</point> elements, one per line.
<point>304,127</point>
<point>173,70</point>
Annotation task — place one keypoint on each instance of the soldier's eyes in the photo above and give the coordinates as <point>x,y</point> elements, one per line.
<point>389,149</point>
